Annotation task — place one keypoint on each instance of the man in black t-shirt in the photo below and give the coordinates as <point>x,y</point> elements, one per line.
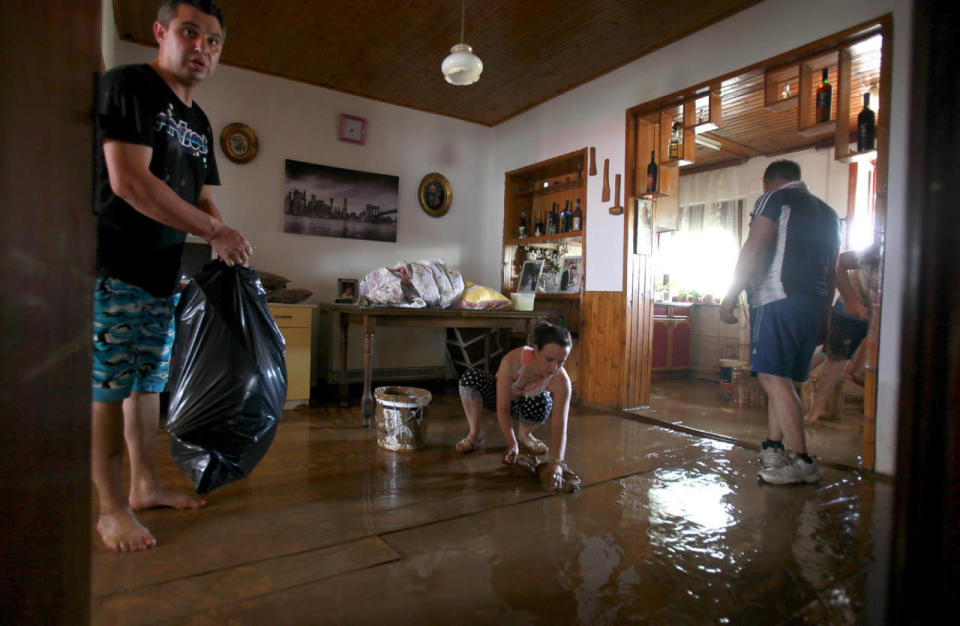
<point>155,186</point>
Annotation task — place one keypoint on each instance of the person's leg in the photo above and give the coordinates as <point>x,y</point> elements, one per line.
<point>797,466</point>
<point>473,409</point>
<point>116,323</point>
<point>857,366</point>
<point>830,373</point>
<point>785,409</point>
<point>118,527</point>
<point>141,419</point>
<point>772,453</point>
<point>141,411</point>
<point>531,413</point>
<point>475,386</point>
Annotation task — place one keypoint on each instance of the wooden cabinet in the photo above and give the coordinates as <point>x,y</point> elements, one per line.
<point>295,322</point>
<point>671,337</point>
<point>531,191</point>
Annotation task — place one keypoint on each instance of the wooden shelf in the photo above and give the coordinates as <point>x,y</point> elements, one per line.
<point>553,188</point>
<point>524,192</point>
<point>856,157</point>
<point>558,238</point>
<point>824,128</point>
<point>653,196</point>
<point>675,162</point>
<point>774,80</point>
<point>809,79</point>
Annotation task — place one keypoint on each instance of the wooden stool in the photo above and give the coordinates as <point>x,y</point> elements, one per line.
<point>746,388</point>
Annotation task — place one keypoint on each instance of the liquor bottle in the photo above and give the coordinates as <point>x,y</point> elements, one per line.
<point>522,230</point>
<point>552,220</point>
<point>824,98</point>
<point>565,217</point>
<point>652,173</point>
<point>674,145</point>
<point>866,127</point>
<point>577,217</point>
<point>538,227</point>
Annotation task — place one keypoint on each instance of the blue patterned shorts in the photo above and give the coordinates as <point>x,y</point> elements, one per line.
<point>133,334</point>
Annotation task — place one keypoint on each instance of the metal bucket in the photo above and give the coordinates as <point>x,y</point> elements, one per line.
<point>399,417</point>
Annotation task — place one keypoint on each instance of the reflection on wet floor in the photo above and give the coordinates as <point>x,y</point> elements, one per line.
<point>701,406</point>
<point>668,528</point>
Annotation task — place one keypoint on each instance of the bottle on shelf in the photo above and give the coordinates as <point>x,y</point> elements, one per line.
<point>866,127</point>
<point>785,92</point>
<point>538,227</point>
<point>565,217</point>
<point>652,173</point>
<point>577,220</point>
<point>552,220</point>
<point>824,98</point>
<point>674,146</point>
<point>522,229</point>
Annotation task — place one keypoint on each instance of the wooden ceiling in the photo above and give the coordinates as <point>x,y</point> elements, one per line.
<point>389,50</point>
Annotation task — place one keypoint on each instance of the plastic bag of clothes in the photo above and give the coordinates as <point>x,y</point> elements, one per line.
<point>228,378</point>
<point>416,284</point>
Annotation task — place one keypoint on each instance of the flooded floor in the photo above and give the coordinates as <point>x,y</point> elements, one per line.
<point>669,528</point>
<point>701,406</point>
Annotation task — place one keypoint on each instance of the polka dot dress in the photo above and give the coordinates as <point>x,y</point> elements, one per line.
<point>476,383</point>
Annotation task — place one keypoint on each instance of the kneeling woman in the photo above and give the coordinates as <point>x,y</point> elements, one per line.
<point>530,386</point>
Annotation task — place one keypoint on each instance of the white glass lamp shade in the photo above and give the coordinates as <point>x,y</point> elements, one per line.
<point>462,66</point>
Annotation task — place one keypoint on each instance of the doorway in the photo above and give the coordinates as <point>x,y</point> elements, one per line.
<point>715,139</point>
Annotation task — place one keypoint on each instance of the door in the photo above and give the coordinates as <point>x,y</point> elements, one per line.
<point>49,54</point>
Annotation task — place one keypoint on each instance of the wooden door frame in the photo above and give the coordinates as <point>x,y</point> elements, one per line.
<point>51,54</point>
<point>925,555</point>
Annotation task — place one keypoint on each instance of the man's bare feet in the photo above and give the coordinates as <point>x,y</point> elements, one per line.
<point>810,418</point>
<point>162,495</point>
<point>122,532</point>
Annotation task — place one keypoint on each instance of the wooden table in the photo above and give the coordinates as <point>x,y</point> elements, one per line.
<point>371,317</point>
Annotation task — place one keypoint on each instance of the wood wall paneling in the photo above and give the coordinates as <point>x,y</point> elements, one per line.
<point>602,334</point>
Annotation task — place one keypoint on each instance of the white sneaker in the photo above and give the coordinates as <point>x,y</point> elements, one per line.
<point>773,457</point>
<point>796,470</point>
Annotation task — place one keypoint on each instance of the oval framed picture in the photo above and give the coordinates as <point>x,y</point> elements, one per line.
<point>238,142</point>
<point>435,194</point>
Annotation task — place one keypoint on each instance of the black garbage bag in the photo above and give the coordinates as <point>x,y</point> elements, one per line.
<point>228,379</point>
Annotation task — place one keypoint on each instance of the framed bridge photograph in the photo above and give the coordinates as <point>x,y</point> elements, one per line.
<point>335,202</point>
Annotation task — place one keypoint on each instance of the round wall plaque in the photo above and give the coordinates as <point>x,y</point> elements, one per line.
<point>238,142</point>
<point>435,194</point>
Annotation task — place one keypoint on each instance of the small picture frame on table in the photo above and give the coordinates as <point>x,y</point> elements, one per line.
<point>529,276</point>
<point>346,291</point>
<point>571,274</point>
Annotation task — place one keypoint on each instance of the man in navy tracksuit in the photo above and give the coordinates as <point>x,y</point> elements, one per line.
<point>788,267</point>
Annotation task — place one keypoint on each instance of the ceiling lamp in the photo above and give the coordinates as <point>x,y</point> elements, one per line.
<point>462,66</point>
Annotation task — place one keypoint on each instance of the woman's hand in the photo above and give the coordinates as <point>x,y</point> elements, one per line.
<point>552,474</point>
<point>511,454</point>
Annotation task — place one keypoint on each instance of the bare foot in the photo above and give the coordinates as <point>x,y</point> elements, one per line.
<point>812,417</point>
<point>162,495</point>
<point>469,444</point>
<point>121,532</point>
<point>533,444</point>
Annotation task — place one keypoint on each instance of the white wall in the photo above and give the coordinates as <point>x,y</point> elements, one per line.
<point>594,115</point>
